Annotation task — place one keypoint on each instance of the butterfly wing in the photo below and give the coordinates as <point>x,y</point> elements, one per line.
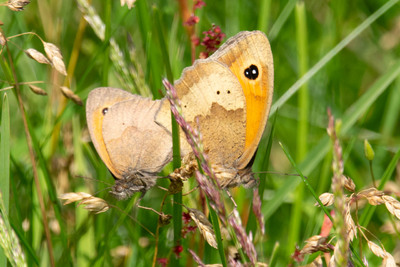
<point>248,55</point>
<point>98,102</point>
<point>133,140</point>
<point>127,137</point>
<point>212,101</point>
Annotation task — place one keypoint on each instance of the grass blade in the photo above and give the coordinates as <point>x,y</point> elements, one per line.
<point>5,152</point>
<point>302,124</point>
<point>217,231</point>
<point>5,161</point>
<point>315,156</point>
<point>334,51</point>
<point>283,17</point>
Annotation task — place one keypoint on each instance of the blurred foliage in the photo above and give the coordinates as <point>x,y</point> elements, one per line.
<point>67,162</point>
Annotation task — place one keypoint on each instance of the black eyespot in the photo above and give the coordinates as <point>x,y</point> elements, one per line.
<point>218,92</point>
<point>229,91</point>
<point>104,111</point>
<point>251,72</point>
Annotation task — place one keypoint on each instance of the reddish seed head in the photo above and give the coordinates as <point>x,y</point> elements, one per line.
<point>192,20</point>
<point>211,40</point>
<point>163,262</point>
<point>178,250</point>
<point>186,217</point>
<point>191,228</point>
<point>195,40</point>
<point>198,4</point>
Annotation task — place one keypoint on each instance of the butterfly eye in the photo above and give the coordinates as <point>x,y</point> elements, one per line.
<point>104,111</point>
<point>251,72</point>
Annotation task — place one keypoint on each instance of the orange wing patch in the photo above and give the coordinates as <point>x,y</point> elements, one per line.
<point>98,118</point>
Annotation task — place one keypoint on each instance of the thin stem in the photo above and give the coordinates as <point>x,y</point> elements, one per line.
<point>359,229</point>
<point>26,33</point>
<point>190,30</point>
<point>158,233</point>
<point>33,161</point>
<point>372,173</point>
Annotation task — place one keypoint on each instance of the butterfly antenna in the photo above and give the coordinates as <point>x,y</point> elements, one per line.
<point>91,179</point>
<point>280,173</point>
<point>133,219</point>
<point>231,197</point>
<point>102,190</point>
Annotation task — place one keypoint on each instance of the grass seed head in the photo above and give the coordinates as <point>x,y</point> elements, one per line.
<point>69,94</point>
<point>59,65</point>
<point>349,184</point>
<point>257,210</point>
<point>327,199</point>
<point>37,56</point>
<point>392,205</point>
<point>129,3</point>
<point>37,90</point>
<point>244,240</point>
<point>388,261</point>
<point>377,250</point>
<point>3,39</point>
<point>204,226</point>
<point>94,204</point>
<point>316,243</point>
<point>17,5</point>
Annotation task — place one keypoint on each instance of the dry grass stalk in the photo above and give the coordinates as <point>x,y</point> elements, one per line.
<point>244,240</point>
<point>55,58</point>
<point>127,76</point>
<point>374,197</point>
<point>196,258</point>
<point>346,228</point>
<point>316,243</point>
<point>69,94</point>
<point>338,182</point>
<point>37,56</point>
<point>189,165</point>
<point>94,204</point>
<point>257,210</point>
<point>212,194</point>
<point>349,224</point>
<point>388,260</point>
<point>205,227</point>
<point>37,90</point>
<point>208,183</point>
